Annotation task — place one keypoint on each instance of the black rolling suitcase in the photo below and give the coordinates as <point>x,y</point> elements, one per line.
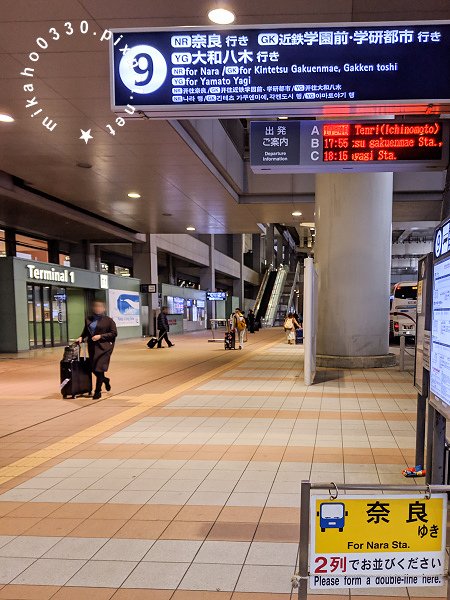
<point>153,341</point>
<point>75,373</point>
<point>299,336</point>
<point>230,341</point>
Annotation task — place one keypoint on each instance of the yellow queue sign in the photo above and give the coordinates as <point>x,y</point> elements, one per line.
<point>378,541</point>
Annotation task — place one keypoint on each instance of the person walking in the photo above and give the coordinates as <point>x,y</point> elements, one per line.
<point>251,321</point>
<point>290,326</point>
<point>100,331</point>
<point>239,326</point>
<point>163,328</point>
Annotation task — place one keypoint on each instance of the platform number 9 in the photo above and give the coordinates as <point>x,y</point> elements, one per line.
<point>143,69</point>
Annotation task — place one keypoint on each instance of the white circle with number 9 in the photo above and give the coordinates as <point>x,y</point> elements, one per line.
<point>438,244</point>
<point>143,69</point>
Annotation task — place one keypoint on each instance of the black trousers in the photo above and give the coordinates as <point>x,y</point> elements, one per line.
<point>163,335</point>
<point>100,377</point>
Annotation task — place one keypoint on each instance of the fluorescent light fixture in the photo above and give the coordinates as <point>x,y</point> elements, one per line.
<point>6,118</point>
<point>134,195</point>
<point>283,118</point>
<point>190,228</point>
<point>221,16</point>
<point>296,213</point>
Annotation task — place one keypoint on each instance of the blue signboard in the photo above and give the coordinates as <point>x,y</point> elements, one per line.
<point>215,296</point>
<point>243,70</point>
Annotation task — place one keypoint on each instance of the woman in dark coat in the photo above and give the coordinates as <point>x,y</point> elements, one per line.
<point>251,321</point>
<point>100,331</point>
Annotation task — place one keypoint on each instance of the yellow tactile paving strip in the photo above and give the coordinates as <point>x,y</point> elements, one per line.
<point>145,402</point>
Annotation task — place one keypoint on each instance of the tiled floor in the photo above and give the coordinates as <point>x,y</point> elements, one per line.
<point>183,483</point>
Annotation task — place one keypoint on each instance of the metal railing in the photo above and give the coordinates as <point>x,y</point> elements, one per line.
<point>294,285</point>
<point>275,296</point>
<point>262,289</point>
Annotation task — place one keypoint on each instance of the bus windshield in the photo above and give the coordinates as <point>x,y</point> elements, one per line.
<point>332,511</point>
<point>407,292</point>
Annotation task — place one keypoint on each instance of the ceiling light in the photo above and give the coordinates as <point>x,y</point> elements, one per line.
<point>221,16</point>
<point>296,213</point>
<point>6,118</point>
<point>190,228</point>
<point>283,118</point>
<point>134,195</point>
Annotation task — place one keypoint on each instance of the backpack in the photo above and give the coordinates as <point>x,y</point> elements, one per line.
<point>240,323</point>
<point>289,324</point>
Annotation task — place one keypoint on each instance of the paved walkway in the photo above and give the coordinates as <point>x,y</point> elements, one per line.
<point>183,483</point>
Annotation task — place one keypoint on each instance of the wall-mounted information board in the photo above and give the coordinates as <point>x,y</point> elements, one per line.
<point>440,325</point>
<point>313,146</point>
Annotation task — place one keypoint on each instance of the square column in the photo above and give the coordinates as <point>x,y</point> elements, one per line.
<point>145,268</point>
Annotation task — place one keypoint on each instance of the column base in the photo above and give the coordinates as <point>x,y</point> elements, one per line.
<point>357,362</point>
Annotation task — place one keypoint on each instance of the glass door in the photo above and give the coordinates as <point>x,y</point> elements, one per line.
<point>47,316</point>
<point>31,316</point>
<point>38,316</point>
<point>59,316</point>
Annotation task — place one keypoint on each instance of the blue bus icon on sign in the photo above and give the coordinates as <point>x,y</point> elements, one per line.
<point>332,515</point>
<point>128,304</point>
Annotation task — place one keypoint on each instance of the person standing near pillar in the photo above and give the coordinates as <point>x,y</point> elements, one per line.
<point>251,321</point>
<point>100,331</point>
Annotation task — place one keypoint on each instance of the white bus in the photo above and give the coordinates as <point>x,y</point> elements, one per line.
<point>403,301</point>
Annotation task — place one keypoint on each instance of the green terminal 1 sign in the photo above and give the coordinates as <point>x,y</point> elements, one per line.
<point>321,146</point>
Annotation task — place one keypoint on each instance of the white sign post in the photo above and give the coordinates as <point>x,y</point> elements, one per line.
<point>310,320</point>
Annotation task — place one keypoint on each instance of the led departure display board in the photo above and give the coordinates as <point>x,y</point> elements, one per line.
<point>371,141</point>
<point>246,71</point>
<point>320,146</point>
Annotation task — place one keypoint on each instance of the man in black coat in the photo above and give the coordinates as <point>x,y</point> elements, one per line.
<point>163,328</point>
<point>100,331</point>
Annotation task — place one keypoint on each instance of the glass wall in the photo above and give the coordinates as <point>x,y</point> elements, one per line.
<point>31,248</point>
<point>64,260</point>
<point>2,243</point>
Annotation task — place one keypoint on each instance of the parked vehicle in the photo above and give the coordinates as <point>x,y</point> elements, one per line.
<point>403,310</point>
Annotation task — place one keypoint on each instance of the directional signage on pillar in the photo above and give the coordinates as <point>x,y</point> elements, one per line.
<point>320,146</point>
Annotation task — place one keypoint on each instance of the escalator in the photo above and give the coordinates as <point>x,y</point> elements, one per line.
<point>266,295</point>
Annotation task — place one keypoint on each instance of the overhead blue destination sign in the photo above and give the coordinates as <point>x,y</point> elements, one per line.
<point>257,70</point>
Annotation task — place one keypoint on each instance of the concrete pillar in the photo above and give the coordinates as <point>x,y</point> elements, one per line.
<point>353,257</point>
<point>208,278</point>
<point>257,252</point>
<point>145,268</point>
<point>270,255</point>
<point>238,255</point>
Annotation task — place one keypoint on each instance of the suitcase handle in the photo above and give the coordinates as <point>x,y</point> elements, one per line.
<point>82,349</point>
